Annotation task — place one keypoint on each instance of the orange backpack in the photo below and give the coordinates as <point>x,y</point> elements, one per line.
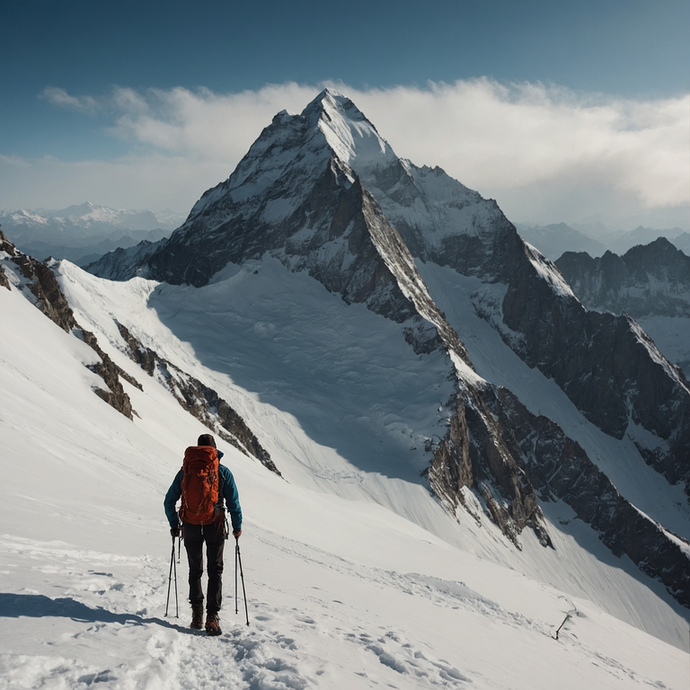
<point>200,485</point>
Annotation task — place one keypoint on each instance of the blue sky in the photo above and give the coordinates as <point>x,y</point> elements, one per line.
<point>85,82</point>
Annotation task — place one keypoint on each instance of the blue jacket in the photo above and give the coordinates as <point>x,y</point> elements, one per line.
<point>227,491</point>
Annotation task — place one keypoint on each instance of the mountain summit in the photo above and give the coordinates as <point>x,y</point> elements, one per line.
<point>549,402</point>
<point>294,169</point>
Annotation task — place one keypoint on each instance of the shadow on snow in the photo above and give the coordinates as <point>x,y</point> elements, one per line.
<point>40,606</point>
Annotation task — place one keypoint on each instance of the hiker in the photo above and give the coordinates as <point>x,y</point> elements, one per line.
<point>204,486</point>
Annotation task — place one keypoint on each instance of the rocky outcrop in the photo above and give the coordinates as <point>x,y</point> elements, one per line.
<point>202,402</point>
<point>115,394</point>
<point>474,455</point>
<point>49,298</point>
<point>7,247</point>
<point>46,290</point>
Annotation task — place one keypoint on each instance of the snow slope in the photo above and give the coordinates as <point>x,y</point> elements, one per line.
<point>355,579</point>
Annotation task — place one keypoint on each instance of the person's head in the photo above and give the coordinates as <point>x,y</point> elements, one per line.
<point>206,440</point>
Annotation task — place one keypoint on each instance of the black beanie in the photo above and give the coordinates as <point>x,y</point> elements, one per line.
<point>206,440</point>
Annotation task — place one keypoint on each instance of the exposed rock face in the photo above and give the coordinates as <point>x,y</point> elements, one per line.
<point>43,284</point>
<point>651,279</point>
<point>121,263</point>
<point>110,373</point>
<point>474,454</point>
<point>651,283</point>
<point>324,193</point>
<point>50,299</point>
<point>605,363</point>
<point>559,468</point>
<point>199,400</point>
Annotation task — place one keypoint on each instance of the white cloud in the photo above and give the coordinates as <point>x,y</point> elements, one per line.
<point>545,153</point>
<point>520,141</point>
<point>61,98</point>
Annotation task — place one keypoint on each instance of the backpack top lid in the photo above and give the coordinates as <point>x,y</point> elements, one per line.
<point>200,454</point>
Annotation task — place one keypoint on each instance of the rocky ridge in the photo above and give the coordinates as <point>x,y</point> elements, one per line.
<point>42,285</point>
<point>650,284</point>
<point>199,400</point>
<point>653,278</point>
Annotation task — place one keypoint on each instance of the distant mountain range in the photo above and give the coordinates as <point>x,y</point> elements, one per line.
<point>595,239</point>
<point>84,232</point>
<point>650,282</point>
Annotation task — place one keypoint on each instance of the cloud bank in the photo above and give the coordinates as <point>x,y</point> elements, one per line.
<point>545,153</point>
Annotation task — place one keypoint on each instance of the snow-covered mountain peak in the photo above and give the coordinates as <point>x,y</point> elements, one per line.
<point>351,136</point>
<point>424,204</point>
<point>289,150</point>
<point>332,103</point>
<point>294,149</point>
<point>79,210</point>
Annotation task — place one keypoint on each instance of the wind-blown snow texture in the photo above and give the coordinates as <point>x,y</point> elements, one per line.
<point>357,575</point>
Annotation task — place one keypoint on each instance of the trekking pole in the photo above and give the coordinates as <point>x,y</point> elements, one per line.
<point>177,603</point>
<point>239,560</point>
<point>172,559</point>
<point>173,568</point>
<point>237,551</point>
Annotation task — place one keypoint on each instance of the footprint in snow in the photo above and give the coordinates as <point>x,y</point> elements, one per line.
<point>256,658</point>
<point>398,655</point>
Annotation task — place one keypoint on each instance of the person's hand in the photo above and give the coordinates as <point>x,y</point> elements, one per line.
<point>236,533</point>
<point>176,532</point>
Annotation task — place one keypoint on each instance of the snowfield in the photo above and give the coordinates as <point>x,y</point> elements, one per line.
<point>356,577</point>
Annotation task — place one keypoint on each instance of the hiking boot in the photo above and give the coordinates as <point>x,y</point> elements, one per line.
<point>197,616</point>
<point>212,624</point>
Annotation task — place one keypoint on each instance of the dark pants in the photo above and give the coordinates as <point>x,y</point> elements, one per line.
<point>194,538</point>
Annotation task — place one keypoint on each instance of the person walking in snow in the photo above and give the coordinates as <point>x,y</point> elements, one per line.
<point>204,485</point>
